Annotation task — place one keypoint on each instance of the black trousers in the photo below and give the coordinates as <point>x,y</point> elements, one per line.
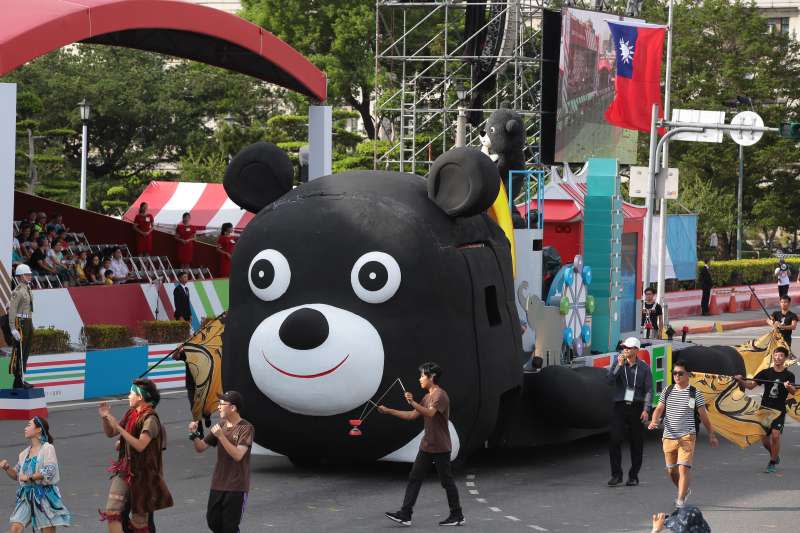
<point>626,425</point>
<point>422,465</point>
<point>705,299</point>
<point>21,349</point>
<point>783,290</point>
<point>225,510</point>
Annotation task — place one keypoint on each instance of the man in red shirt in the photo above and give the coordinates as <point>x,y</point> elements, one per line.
<point>435,447</point>
<point>143,226</point>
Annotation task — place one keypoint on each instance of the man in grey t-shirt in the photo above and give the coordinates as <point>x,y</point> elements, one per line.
<point>681,401</point>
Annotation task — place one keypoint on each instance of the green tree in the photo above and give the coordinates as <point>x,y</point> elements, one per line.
<point>338,37</point>
<point>148,111</point>
<point>721,50</point>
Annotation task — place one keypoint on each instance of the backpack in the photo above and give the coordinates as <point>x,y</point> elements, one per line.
<point>693,395</point>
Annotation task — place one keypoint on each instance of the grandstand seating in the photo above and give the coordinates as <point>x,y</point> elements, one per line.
<point>143,269</point>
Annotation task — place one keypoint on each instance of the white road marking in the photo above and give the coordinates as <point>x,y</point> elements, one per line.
<point>512,518</point>
<point>473,492</point>
<point>470,483</point>
<point>480,500</point>
<point>537,528</point>
<point>470,476</point>
<point>496,509</point>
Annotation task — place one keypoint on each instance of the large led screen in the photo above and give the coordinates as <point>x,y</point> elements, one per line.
<point>586,89</point>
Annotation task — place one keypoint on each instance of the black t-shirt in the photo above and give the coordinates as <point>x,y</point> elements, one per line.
<point>37,256</point>
<point>652,312</point>
<point>785,320</point>
<point>775,394</point>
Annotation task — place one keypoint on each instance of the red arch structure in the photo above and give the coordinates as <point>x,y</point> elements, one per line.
<point>32,28</point>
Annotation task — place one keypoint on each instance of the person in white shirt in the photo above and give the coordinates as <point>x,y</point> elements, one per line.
<point>120,270</point>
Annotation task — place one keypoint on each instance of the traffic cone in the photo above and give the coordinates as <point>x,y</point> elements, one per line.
<point>753,303</point>
<point>713,307</point>
<point>733,307</point>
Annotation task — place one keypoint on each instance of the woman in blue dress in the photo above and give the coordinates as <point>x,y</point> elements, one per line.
<point>38,498</point>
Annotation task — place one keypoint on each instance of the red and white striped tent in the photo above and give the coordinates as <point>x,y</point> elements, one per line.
<point>208,204</point>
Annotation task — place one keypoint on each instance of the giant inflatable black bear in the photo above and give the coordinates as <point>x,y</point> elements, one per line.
<point>345,283</point>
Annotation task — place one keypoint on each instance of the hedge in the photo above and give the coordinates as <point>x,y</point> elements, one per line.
<point>747,271</point>
<point>106,335</point>
<point>49,340</point>
<point>166,331</point>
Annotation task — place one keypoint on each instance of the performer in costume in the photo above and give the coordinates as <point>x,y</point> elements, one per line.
<point>184,234</point>
<point>20,316</point>
<point>138,471</point>
<point>225,245</point>
<point>38,498</point>
<point>143,225</point>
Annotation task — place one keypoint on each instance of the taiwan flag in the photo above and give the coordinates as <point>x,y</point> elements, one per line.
<point>639,48</point>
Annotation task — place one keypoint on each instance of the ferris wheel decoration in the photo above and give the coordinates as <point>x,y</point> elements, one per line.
<point>577,305</point>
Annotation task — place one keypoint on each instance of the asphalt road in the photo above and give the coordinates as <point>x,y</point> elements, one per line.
<point>556,488</point>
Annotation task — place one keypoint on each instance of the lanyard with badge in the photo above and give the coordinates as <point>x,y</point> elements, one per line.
<point>629,391</point>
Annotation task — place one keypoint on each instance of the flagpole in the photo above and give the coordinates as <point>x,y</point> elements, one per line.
<point>648,201</point>
<point>662,221</point>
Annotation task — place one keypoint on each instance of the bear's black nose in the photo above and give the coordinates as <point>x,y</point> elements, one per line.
<point>304,329</point>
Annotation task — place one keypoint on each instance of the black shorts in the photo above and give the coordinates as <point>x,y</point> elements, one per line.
<point>777,423</point>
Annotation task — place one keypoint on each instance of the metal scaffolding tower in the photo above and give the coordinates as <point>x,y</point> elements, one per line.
<point>437,58</point>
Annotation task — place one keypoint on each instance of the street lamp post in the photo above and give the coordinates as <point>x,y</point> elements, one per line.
<point>85,111</point>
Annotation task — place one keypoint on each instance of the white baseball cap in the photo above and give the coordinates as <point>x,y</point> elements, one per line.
<point>632,342</point>
<point>22,269</point>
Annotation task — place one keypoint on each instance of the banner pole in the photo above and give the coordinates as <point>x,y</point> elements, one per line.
<point>648,203</point>
<point>662,221</point>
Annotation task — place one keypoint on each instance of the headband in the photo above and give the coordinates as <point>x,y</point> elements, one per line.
<point>44,437</point>
<point>136,389</point>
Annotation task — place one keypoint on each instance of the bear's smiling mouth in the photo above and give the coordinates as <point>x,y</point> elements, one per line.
<point>304,376</point>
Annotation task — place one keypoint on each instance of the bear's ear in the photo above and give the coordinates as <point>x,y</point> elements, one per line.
<point>258,175</point>
<point>463,182</point>
<point>513,126</point>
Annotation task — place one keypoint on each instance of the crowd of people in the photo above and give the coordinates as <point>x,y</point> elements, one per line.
<point>46,245</point>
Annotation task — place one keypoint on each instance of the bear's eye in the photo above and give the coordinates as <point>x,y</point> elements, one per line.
<point>269,275</point>
<point>375,277</point>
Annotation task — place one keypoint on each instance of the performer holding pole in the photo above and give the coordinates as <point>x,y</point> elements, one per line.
<point>784,321</point>
<point>778,385</point>
<point>434,449</point>
<point>138,472</point>
<point>20,316</point>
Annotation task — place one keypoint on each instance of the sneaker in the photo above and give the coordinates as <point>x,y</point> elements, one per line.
<point>679,503</point>
<point>771,468</point>
<point>453,520</point>
<point>632,481</point>
<point>778,460</point>
<point>614,481</point>
<point>399,517</point>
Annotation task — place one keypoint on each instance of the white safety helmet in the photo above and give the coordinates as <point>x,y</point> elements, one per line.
<point>22,270</point>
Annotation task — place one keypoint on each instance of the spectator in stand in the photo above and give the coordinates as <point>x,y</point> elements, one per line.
<point>184,234</point>
<point>56,257</point>
<point>24,238</point>
<point>93,270</point>
<point>119,268</point>
<point>80,268</point>
<point>57,224</point>
<point>105,269</point>
<point>38,261</point>
<point>225,245</point>
<point>41,222</point>
<point>109,277</point>
<point>32,216</point>
<point>143,225</point>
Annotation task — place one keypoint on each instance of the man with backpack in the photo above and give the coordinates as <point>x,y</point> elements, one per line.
<point>684,405</point>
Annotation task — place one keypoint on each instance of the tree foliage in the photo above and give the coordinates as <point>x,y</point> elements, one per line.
<point>721,50</point>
